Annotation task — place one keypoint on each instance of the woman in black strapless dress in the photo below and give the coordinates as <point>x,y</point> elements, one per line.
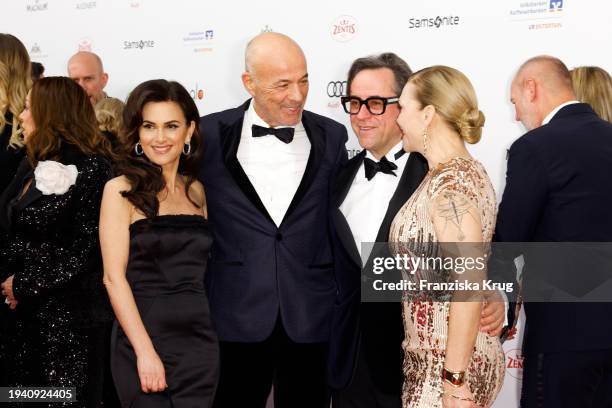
<point>155,243</point>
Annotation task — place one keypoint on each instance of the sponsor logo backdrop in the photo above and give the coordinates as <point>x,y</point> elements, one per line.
<point>200,44</point>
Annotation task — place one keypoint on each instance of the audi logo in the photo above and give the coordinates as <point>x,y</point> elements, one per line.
<point>336,89</point>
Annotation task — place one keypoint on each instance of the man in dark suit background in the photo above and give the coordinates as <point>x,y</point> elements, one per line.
<point>267,170</point>
<point>366,357</point>
<point>558,190</point>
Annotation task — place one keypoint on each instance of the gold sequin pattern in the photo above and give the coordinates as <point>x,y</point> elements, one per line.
<point>426,318</point>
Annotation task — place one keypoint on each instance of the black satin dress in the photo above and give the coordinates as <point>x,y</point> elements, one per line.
<point>166,267</point>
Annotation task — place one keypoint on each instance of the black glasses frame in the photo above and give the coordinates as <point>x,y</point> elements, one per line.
<point>385,101</point>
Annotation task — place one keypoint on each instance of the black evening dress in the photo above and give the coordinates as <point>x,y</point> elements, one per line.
<point>55,336</point>
<point>166,267</point>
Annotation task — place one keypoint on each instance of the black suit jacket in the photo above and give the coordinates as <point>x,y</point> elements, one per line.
<point>9,157</point>
<point>558,190</point>
<point>378,326</point>
<point>257,268</point>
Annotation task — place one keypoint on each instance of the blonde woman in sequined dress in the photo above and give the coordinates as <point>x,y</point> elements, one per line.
<point>447,361</point>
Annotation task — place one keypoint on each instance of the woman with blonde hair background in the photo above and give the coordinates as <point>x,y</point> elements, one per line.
<point>15,82</point>
<point>593,85</point>
<point>109,112</point>
<point>447,361</point>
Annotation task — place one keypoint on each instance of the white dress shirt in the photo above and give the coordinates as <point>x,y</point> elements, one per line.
<point>557,109</point>
<point>366,203</point>
<point>274,168</point>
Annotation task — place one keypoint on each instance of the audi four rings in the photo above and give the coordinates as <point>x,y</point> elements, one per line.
<point>336,89</point>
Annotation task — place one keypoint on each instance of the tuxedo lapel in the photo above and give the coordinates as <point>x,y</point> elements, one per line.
<point>414,172</point>
<point>345,178</point>
<point>230,140</point>
<point>341,188</point>
<point>316,136</point>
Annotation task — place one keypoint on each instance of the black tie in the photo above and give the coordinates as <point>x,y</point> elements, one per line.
<point>284,134</point>
<point>384,166</point>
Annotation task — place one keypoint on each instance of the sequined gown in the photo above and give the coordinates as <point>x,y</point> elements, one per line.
<point>426,319</point>
<point>56,335</point>
<point>166,267</point>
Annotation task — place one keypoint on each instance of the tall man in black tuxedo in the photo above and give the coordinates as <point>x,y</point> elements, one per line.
<point>558,190</point>
<point>365,360</point>
<point>267,169</point>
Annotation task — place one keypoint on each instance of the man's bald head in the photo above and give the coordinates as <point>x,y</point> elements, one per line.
<point>540,85</point>
<point>87,70</point>
<point>276,77</point>
<point>549,71</point>
<point>269,45</point>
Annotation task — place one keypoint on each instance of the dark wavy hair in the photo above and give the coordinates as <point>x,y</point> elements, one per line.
<point>63,114</point>
<point>144,176</point>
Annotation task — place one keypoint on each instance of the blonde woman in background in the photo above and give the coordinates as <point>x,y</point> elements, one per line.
<point>593,85</point>
<point>447,361</point>
<point>15,82</point>
<point>109,113</point>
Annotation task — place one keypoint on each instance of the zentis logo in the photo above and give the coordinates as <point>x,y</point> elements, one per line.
<point>344,28</point>
<point>514,363</point>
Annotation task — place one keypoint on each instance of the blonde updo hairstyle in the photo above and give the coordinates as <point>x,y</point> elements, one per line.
<point>453,97</point>
<point>109,113</point>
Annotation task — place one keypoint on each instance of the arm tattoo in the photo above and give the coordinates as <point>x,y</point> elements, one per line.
<point>452,209</point>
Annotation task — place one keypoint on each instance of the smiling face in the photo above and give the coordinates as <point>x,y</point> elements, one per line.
<point>27,122</point>
<point>277,79</point>
<point>376,133</point>
<point>164,132</point>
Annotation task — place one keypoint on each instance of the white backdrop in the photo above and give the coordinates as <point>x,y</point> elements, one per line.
<point>200,44</point>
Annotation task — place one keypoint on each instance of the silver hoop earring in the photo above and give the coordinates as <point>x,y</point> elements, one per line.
<point>138,149</point>
<point>425,145</point>
<point>188,146</point>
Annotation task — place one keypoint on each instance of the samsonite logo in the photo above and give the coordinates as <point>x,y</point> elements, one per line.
<point>434,22</point>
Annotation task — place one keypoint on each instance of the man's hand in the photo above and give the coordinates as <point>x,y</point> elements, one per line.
<point>493,315</point>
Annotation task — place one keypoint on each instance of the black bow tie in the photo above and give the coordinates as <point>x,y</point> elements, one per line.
<point>384,166</point>
<point>284,134</point>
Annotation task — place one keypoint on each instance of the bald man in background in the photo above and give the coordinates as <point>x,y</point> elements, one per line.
<point>558,190</point>
<point>267,169</point>
<point>86,69</point>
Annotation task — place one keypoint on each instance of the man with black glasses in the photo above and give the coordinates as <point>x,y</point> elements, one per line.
<point>365,359</point>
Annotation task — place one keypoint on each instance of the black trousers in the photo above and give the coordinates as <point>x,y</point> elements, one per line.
<point>363,392</point>
<point>568,380</point>
<point>249,370</point>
